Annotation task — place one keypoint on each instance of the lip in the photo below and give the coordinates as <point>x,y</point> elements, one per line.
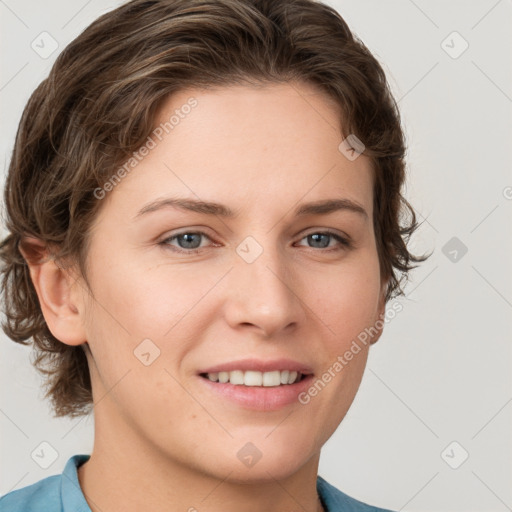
<point>260,365</point>
<point>257,398</point>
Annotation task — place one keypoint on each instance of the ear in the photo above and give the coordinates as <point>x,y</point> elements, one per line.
<point>57,292</point>
<point>381,311</point>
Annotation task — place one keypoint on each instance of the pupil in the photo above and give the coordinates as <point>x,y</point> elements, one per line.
<point>187,237</point>
<point>315,237</point>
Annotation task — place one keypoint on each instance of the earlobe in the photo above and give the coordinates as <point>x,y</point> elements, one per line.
<point>379,323</point>
<point>54,288</point>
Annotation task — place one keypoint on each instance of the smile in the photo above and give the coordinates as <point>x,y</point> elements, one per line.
<point>255,378</point>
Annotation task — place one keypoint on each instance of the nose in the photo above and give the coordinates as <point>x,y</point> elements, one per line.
<point>262,295</point>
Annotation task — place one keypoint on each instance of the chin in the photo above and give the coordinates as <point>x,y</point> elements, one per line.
<point>265,471</point>
<point>265,460</point>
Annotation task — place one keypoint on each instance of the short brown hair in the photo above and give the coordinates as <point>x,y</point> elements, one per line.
<point>98,105</point>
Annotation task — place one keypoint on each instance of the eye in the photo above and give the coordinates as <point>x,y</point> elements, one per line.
<point>188,241</point>
<point>321,240</point>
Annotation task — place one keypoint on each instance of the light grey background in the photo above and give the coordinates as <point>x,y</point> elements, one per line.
<point>442,370</point>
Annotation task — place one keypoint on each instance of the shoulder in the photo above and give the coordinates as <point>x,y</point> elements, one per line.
<point>56,493</point>
<point>41,496</point>
<point>337,501</point>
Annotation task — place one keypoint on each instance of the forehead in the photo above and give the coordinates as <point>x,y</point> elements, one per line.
<point>242,144</point>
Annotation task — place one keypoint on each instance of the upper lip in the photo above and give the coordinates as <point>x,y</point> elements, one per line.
<point>260,365</point>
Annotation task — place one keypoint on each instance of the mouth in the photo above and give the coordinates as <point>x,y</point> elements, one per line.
<point>252,378</point>
<point>256,385</point>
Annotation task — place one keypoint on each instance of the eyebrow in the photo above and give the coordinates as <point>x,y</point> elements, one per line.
<point>323,207</point>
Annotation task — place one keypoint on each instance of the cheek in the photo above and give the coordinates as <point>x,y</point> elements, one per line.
<point>348,302</point>
<point>166,304</point>
<point>149,301</point>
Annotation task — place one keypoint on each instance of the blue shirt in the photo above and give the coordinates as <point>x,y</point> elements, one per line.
<point>62,493</point>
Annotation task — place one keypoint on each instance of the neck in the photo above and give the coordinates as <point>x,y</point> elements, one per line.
<point>126,474</point>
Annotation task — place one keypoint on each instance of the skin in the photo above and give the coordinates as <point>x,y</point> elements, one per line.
<point>163,441</point>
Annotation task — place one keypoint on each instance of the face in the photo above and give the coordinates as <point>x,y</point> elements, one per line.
<point>262,283</point>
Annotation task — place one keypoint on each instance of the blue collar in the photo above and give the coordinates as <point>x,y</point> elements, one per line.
<point>73,499</point>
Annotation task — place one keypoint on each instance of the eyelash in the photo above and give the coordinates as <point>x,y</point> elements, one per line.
<point>343,241</point>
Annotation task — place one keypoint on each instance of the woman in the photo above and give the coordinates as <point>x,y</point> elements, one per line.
<point>205,225</point>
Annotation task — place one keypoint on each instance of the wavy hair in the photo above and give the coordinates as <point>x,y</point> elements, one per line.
<point>98,105</point>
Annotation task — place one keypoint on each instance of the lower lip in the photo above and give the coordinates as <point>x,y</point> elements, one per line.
<point>259,398</point>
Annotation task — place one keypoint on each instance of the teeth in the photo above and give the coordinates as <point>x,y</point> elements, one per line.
<point>236,377</point>
<point>271,378</point>
<point>253,378</point>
